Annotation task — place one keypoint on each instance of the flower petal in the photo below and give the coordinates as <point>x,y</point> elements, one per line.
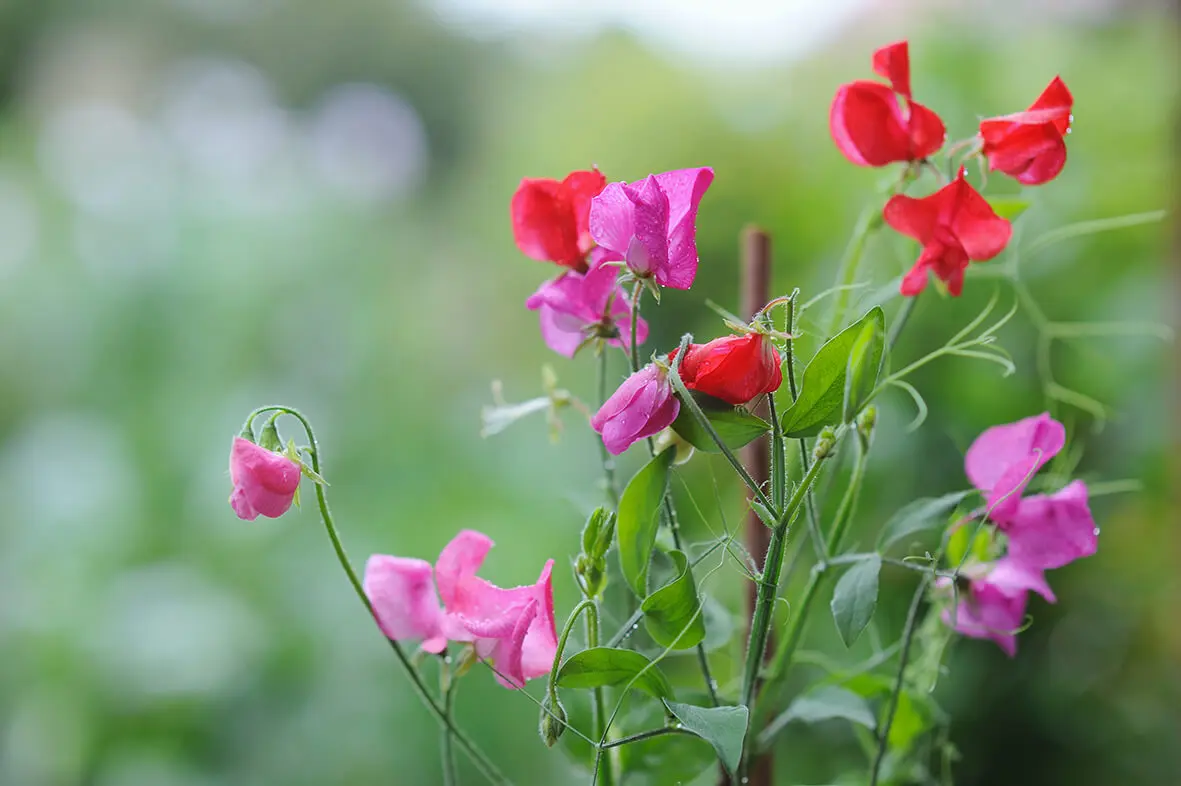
<point>457,566</point>
<point>867,124</point>
<point>892,62</point>
<point>543,222</point>
<point>997,449</point>
<point>610,222</point>
<point>1054,530</point>
<point>980,231</point>
<point>403,597</point>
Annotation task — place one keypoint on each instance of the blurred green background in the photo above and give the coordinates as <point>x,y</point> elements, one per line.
<point>209,205</point>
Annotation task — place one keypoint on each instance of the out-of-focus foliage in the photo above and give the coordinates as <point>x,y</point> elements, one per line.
<point>205,206</point>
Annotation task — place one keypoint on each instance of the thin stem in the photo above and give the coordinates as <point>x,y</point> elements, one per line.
<point>813,517</point>
<point>637,291</point>
<point>606,772</point>
<point>869,220</point>
<point>605,455</point>
<point>670,513</point>
<point>478,758</point>
<point>844,515</point>
<point>900,320</point>
<point>768,587</point>
<point>645,735</point>
<point>903,657</point>
<point>449,688</point>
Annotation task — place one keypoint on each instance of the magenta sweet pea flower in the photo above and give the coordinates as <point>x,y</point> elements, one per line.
<point>576,305</point>
<point>994,605</point>
<point>1002,460</point>
<point>513,629</point>
<point>1052,530</point>
<point>264,481</point>
<point>642,406</point>
<point>651,225</point>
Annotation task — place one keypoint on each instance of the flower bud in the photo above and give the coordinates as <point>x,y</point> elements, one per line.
<point>735,369</point>
<point>825,444</point>
<point>865,425</point>
<point>552,722</point>
<point>265,481</point>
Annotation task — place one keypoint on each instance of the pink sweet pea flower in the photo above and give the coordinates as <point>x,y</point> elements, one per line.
<point>955,226</point>
<point>651,225</point>
<point>264,481</point>
<point>576,305</point>
<point>642,406</point>
<point>994,606</point>
<point>1049,531</point>
<point>1003,459</point>
<point>513,629</point>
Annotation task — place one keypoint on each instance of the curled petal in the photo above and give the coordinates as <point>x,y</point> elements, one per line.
<point>892,62</point>
<point>868,126</point>
<point>455,570</point>
<point>926,131</point>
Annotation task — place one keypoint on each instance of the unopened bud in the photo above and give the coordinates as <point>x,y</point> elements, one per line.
<point>269,438</point>
<point>552,722</point>
<point>865,425</point>
<point>825,444</point>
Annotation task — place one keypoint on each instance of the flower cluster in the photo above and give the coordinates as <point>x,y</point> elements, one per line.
<point>874,124</point>
<point>1043,531</point>
<point>647,228</point>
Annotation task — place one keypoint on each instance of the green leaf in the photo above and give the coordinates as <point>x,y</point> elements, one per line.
<point>1009,207</point>
<point>911,719</point>
<point>969,539</point>
<point>765,515</point>
<point>822,392</point>
<point>827,702</point>
<point>722,727</point>
<point>639,516</point>
<point>865,364</point>
<point>736,427</point>
<point>855,598</point>
<point>673,612</point>
<point>923,513</point>
<point>603,666</point>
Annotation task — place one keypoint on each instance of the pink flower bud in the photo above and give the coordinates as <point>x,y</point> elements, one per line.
<point>264,482</point>
<point>642,406</point>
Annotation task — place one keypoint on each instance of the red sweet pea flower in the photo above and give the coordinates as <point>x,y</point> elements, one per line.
<point>955,225</point>
<point>735,369</point>
<point>872,127</point>
<point>1030,146</point>
<point>550,217</point>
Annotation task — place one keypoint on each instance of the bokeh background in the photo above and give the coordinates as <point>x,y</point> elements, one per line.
<point>208,205</point>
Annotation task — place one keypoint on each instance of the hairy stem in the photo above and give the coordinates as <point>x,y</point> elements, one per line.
<point>605,456</point>
<point>478,757</point>
<point>606,766</point>
<point>446,749</point>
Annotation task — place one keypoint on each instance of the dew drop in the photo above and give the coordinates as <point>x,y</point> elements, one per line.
<point>1096,532</point>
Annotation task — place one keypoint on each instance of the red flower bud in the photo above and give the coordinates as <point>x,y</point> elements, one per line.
<point>735,369</point>
<point>551,217</point>
<point>1030,146</point>
<point>875,124</point>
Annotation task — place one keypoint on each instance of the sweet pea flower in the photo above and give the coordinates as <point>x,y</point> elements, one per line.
<point>1003,459</point>
<point>651,225</point>
<point>642,406</point>
<point>575,306</point>
<point>955,225</point>
<point>874,124</point>
<point>265,482</point>
<point>513,629</point>
<point>550,217</point>
<point>1030,146</point>
<point>735,369</point>
<point>990,609</point>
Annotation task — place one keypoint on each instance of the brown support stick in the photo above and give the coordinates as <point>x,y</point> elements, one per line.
<point>755,286</point>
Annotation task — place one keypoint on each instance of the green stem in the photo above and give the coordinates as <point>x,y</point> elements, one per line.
<point>768,586</point>
<point>900,320</point>
<point>606,773</point>
<point>813,517</point>
<point>867,222</point>
<point>478,757</point>
<point>844,515</point>
<point>448,689</point>
<point>605,456</point>
<point>907,639</point>
<point>645,735</point>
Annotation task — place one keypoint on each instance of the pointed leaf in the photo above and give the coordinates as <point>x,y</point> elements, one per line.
<point>855,598</point>
<point>865,364</point>
<point>923,513</point>
<point>825,703</point>
<point>602,666</point>
<point>822,392</point>
<point>722,727</point>
<point>639,516</point>
<point>672,613</point>
<point>736,427</point>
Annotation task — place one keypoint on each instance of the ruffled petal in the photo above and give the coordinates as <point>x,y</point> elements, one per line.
<point>403,597</point>
<point>997,449</point>
<point>457,566</point>
<point>1054,530</point>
